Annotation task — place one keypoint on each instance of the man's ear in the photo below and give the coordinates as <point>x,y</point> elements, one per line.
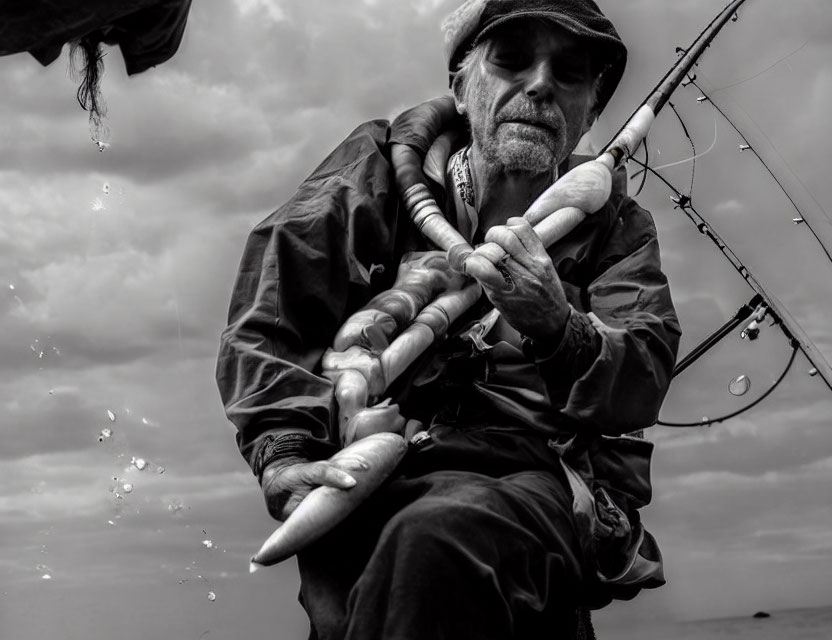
<point>594,112</point>
<point>456,87</point>
<point>590,120</point>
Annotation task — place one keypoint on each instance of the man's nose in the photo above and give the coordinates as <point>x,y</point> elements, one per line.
<point>540,83</point>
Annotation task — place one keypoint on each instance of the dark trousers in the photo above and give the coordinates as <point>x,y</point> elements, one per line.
<point>449,554</point>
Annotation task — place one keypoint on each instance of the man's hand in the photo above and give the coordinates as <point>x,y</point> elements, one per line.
<point>524,286</point>
<point>284,486</point>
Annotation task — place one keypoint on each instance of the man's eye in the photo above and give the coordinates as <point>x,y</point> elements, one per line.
<point>510,60</point>
<point>570,74</point>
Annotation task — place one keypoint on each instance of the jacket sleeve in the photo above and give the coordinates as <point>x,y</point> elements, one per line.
<point>614,365</point>
<point>303,271</point>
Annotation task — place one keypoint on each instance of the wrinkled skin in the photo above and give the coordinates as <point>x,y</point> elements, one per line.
<point>530,100</point>
<point>285,485</point>
<point>526,287</point>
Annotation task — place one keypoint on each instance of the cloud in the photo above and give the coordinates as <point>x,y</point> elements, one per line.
<point>729,207</point>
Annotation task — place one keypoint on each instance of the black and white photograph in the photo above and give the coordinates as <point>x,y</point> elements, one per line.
<point>415,319</point>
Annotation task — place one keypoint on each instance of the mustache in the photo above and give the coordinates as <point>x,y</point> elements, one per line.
<point>530,114</point>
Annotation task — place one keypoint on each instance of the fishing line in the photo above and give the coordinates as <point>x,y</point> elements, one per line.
<point>692,145</point>
<point>695,155</point>
<point>679,162</point>
<point>646,162</point>
<point>706,422</point>
<point>768,68</point>
<point>684,203</point>
<point>771,173</point>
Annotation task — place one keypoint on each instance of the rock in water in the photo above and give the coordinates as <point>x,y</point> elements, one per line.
<point>370,461</point>
<point>761,614</point>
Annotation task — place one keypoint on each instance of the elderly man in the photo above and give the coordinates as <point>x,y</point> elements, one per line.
<point>519,501</point>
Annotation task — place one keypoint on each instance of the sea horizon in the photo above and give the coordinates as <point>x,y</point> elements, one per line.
<point>797,623</point>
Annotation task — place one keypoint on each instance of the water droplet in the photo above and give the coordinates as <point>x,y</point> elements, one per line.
<point>106,187</point>
<point>209,544</point>
<point>175,507</point>
<point>105,435</point>
<point>46,576</point>
<point>739,386</point>
<point>212,596</point>
<point>11,287</point>
<point>705,419</point>
<point>144,421</point>
<point>127,487</point>
<point>813,372</point>
<point>111,416</point>
<point>111,523</point>
<point>98,205</point>
<point>160,469</point>
<point>139,463</point>
<point>41,567</point>
<point>51,392</point>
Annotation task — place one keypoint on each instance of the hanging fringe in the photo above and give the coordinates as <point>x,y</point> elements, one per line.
<point>86,64</point>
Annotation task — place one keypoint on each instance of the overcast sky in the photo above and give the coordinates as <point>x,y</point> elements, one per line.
<point>116,269</point>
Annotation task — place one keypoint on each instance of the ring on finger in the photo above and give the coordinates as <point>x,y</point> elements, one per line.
<point>506,276</point>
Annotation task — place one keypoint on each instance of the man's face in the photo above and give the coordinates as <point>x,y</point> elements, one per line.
<point>531,98</point>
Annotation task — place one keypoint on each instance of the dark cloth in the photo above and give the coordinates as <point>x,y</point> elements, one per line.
<point>148,32</point>
<point>449,554</point>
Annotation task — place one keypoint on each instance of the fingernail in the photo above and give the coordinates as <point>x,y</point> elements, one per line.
<point>349,481</point>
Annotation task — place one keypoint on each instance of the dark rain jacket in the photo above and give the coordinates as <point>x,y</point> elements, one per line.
<point>338,242</point>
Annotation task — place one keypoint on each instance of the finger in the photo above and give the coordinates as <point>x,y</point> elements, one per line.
<point>527,236</point>
<point>377,420</point>
<point>323,473</point>
<point>491,252</point>
<point>507,238</point>
<point>412,428</point>
<point>484,272</point>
